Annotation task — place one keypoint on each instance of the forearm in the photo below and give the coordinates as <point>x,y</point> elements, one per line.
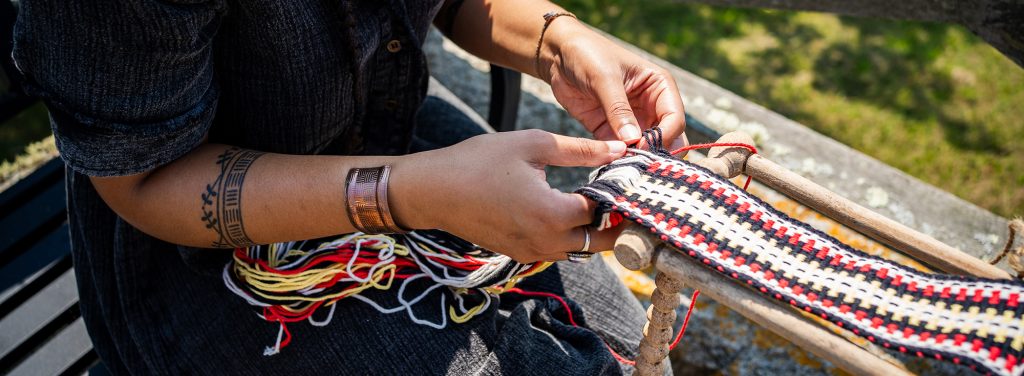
<point>507,32</point>
<point>489,189</point>
<point>223,197</point>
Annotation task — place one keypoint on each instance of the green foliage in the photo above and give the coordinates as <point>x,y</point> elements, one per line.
<point>930,99</point>
<point>33,155</point>
<point>30,125</point>
<point>20,148</point>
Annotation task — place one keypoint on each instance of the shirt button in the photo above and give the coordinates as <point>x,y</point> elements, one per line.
<point>394,46</point>
<point>391,104</point>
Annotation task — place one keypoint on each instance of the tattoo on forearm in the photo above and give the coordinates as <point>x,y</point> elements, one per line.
<point>222,199</point>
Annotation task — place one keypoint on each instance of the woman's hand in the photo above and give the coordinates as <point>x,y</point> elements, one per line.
<point>613,92</point>
<point>491,190</point>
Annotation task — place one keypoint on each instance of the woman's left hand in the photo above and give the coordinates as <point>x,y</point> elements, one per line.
<point>615,93</point>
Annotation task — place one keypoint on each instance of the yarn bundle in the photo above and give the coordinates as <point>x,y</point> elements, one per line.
<point>289,284</point>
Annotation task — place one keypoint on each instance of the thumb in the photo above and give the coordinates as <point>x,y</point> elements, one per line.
<point>618,111</point>
<point>558,150</point>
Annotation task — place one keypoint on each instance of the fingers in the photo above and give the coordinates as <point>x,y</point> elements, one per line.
<point>600,241</point>
<point>679,143</point>
<point>557,150</point>
<point>612,96</point>
<point>670,113</point>
<point>656,92</point>
<point>572,212</point>
<point>605,132</point>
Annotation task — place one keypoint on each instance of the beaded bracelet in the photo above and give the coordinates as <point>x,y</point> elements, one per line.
<point>548,18</point>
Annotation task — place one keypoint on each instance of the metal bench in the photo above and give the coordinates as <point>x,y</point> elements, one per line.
<point>41,329</point>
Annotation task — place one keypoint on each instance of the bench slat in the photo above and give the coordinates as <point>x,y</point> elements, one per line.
<point>69,352</point>
<point>53,247</point>
<point>22,291</point>
<point>38,312</point>
<point>22,190</point>
<point>30,221</point>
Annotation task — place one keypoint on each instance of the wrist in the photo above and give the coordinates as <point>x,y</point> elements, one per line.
<point>561,33</point>
<point>409,191</point>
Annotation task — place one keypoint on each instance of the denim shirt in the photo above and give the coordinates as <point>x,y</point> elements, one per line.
<point>133,85</point>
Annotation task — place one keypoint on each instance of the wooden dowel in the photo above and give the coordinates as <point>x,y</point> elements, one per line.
<point>633,251</point>
<point>867,222</point>
<point>779,319</point>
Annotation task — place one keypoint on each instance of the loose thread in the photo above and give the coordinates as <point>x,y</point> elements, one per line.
<point>751,148</point>
<point>686,320</point>
<point>289,285</point>
<point>616,355</point>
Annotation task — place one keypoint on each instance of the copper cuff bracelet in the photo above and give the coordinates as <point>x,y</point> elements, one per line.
<point>366,198</point>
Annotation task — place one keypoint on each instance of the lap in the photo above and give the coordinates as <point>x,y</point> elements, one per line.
<point>216,332</point>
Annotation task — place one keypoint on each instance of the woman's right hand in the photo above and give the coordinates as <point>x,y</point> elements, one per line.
<point>491,190</point>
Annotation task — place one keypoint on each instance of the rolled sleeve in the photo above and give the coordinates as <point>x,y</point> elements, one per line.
<point>129,84</point>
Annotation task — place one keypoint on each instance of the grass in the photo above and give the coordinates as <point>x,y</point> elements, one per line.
<point>24,143</point>
<point>930,99</point>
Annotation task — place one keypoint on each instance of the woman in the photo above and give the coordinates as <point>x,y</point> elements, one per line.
<point>196,124</point>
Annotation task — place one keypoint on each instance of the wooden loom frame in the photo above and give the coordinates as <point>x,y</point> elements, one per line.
<point>637,249</point>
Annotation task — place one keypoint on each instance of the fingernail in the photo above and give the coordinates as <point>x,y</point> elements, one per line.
<point>615,148</point>
<point>629,132</point>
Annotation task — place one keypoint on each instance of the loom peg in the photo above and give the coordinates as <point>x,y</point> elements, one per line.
<point>728,161</point>
<point>664,335</point>
<point>654,347</point>
<point>634,248</point>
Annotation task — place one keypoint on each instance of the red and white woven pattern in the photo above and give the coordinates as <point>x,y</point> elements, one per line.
<point>970,321</point>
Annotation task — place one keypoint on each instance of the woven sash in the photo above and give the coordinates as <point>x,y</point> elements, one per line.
<point>975,322</point>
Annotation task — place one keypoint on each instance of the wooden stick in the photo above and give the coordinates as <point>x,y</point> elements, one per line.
<point>867,222</point>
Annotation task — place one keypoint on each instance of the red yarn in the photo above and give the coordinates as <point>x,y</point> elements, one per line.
<point>620,358</point>
<point>686,320</point>
<point>752,149</point>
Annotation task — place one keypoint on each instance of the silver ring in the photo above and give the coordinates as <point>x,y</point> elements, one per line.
<point>583,255</point>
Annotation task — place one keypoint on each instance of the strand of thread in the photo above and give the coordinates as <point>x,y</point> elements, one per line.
<point>751,148</point>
